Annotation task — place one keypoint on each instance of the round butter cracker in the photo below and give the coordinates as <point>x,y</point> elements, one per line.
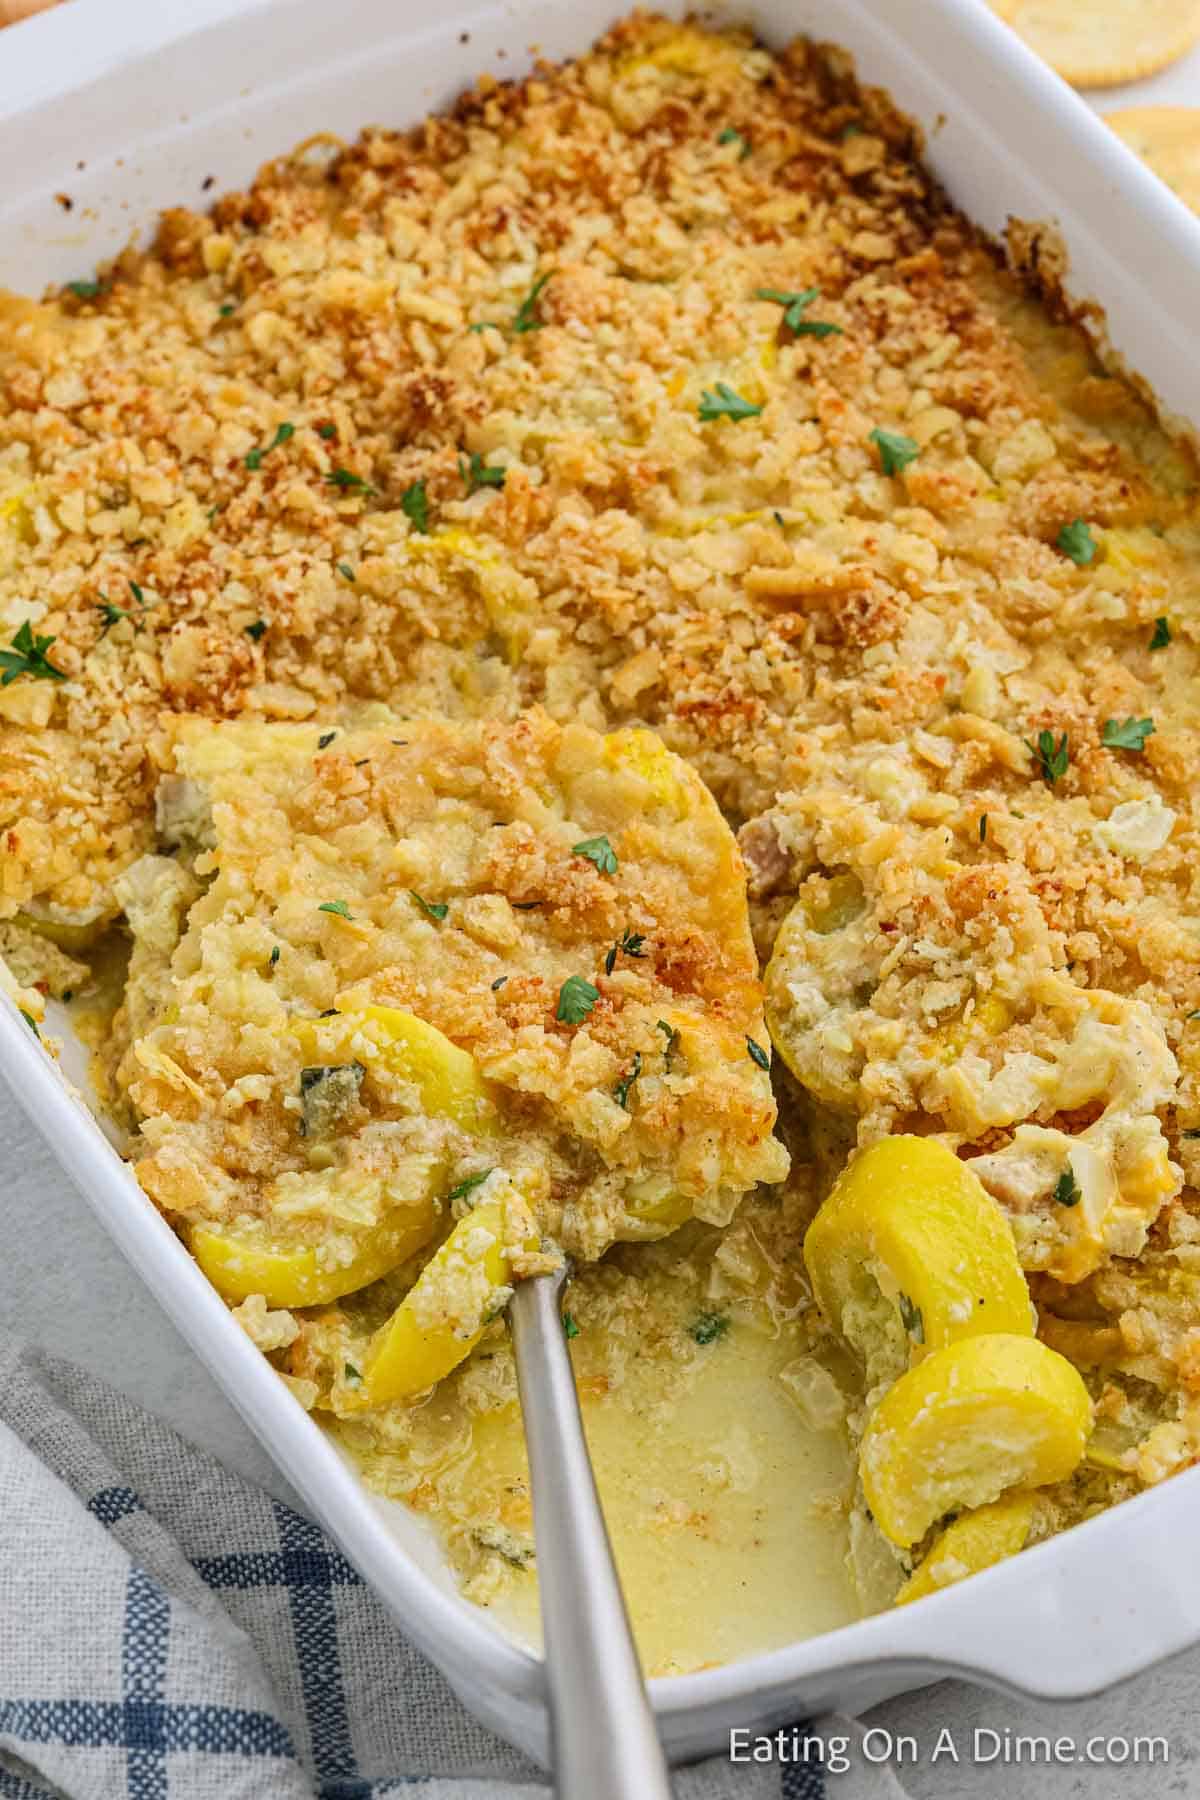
<point>1167,138</point>
<point>1101,43</point>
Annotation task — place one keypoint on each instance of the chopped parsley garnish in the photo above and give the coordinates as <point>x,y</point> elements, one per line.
<point>327,431</point>
<point>757,1054</point>
<point>723,403</point>
<point>576,998</point>
<point>794,306</point>
<point>337,907</point>
<point>1160,637</point>
<point>730,136</point>
<point>226,308</point>
<point>671,1035</point>
<point>282,434</point>
<point>621,1090</point>
<point>274,956</point>
<point>1076,541</point>
<point>467,1185</point>
<point>486,325</point>
<point>895,450</point>
<point>499,983</point>
<point>85,290</point>
<point>1066,1188</point>
<point>598,850</point>
<point>1051,758</point>
<point>351,1374</point>
<point>630,943</point>
<point>527,319</point>
<point>433,909</point>
<point>347,572</point>
<point>27,655</point>
<point>257,630</point>
<point>414,504</point>
<point>983,828</point>
<point>707,1327</point>
<point>326,738</point>
<point>33,1025</point>
<point>478,474</point>
<point>1126,734</point>
<point>911,1319</point>
<point>570,1328</point>
<point>348,482</point>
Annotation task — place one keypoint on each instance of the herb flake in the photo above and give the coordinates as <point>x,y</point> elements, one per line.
<point>467,1185</point>
<point>478,474</point>
<point>1066,1188</point>
<point>707,1327</point>
<point>895,450</point>
<point>576,998</point>
<point>794,307</point>
<point>911,1319</point>
<point>1160,637</point>
<point>414,504</point>
<point>1126,734</point>
<point>1076,541</point>
<point>630,943</point>
<point>731,136</point>
<point>433,909</point>
<point>570,1328</point>
<point>621,1090</point>
<point>526,318</point>
<point>1052,759</point>
<point>348,482</point>
<point>282,434</point>
<point>599,851</point>
<point>757,1054</point>
<point>722,402</point>
<point>28,655</point>
<point>257,630</point>
<point>338,908</point>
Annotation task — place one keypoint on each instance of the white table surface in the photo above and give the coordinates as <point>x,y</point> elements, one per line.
<point>64,1286</point>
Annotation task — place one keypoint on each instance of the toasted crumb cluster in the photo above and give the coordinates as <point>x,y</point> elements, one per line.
<point>533,405</point>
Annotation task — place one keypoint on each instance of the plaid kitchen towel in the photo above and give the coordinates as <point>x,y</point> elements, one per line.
<point>169,1632</point>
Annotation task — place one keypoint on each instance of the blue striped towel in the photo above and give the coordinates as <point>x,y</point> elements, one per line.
<point>169,1632</point>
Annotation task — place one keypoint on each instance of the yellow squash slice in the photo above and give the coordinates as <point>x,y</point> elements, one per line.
<point>295,1275</point>
<point>909,1228</point>
<point>441,1318</point>
<point>446,1077</point>
<point>978,1540</point>
<point>973,1419</point>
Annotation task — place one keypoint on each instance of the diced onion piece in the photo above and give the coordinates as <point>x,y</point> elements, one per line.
<point>976,1541</point>
<point>973,1419</point>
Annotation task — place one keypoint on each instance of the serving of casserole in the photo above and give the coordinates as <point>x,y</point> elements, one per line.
<point>604,673</point>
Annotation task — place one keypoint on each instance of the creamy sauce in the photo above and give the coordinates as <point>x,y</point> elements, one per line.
<point>728,1523</point>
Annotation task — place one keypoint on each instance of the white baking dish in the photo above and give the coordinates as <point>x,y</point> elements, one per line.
<point>126,108</point>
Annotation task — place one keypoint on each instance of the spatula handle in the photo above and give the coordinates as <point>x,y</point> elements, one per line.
<point>604,1739</point>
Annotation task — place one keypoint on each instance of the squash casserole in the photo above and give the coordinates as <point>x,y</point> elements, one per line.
<point>504,625</point>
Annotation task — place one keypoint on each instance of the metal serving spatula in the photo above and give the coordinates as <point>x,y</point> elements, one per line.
<point>604,1740</point>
